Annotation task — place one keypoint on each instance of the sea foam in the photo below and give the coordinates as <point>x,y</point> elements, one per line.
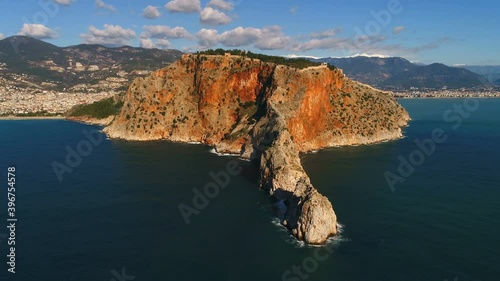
<point>334,241</point>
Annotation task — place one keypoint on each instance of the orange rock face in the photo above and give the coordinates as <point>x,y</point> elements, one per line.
<point>216,100</point>
<point>265,112</point>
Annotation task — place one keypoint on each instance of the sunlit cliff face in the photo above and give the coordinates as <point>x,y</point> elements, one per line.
<point>217,99</point>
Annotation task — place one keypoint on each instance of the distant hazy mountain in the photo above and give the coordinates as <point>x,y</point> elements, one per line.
<point>437,75</point>
<point>69,66</point>
<point>490,72</point>
<point>394,72</point>
<point>371,70</point>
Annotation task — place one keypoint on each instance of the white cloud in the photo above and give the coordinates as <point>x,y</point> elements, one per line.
<point>214,17</point>
<point>367,55</point>
<point>163,32</point>
<point>64,2</point>
<point>151,12</point>
<point>111,35</point>
<point>294,56</point>
<point>374,46</point>
<point>100,4</point>
<point>2,36</point>
<point>207,37</point>
<point>184,6</point>
<point>347,45</point>
<point>272,38</point>
<point>147,43</point>
<point>239,36</point>
<point>267,38</point>
<point>324,43</point>
<point>163,43</point>
<point>294,9</point>
<point>273,43</point>
<point>326,33</point>
<point>398,29</point>
<point>38,31</point>
<point>221,4</point>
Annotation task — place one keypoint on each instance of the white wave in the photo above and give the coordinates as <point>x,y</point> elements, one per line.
<point>277,222</point>
<point>340,228</point>
<point>296,243</point>
<point>333,241</point>
<point>194,142</point>
<point>336,240</point>
<point>281,228</point>
<point>214,151</point>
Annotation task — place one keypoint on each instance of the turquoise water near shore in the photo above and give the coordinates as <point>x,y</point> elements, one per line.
<point>118,211</point>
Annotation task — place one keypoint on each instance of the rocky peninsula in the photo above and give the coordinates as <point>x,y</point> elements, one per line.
<point>264,112</point>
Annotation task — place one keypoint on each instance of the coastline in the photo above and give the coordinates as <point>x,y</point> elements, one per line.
<point>87,121</point>
<point>103,122</point>
<point>13,118</point>
<point>436,98</point>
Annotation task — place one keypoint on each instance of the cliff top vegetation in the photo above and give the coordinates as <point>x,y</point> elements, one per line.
<point>299,63</point>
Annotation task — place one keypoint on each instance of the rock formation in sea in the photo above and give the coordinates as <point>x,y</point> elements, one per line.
<point>264,112</point>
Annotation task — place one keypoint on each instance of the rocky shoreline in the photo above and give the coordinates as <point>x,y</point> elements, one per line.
<point>91,120</point>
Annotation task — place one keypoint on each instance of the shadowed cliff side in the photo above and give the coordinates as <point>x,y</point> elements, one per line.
<point>264,112</point>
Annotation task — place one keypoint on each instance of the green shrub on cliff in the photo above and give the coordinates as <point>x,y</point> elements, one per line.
<point>100,109</point>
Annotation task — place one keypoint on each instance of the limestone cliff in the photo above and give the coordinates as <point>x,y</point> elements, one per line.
<point>264,112</point>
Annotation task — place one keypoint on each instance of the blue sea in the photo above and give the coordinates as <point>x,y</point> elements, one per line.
<point>114,214</point>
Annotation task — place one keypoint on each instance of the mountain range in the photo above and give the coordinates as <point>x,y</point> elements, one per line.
<point>28,62</point>
<point>395,73</point>
<point>490,72</point>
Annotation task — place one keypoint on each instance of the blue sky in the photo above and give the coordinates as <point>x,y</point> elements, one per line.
<point>448,31</point>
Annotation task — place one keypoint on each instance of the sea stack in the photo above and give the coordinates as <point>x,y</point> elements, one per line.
<point>265,112</point>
